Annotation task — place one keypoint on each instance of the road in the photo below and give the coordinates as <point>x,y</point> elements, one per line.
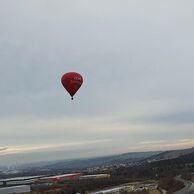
<point>189,186</point>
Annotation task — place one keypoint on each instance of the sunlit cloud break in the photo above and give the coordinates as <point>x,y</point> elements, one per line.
<point>3,149</point>
<point>47,147</point>
<point>186,140</point>
<point>165,145</point>
<point>152,142</point>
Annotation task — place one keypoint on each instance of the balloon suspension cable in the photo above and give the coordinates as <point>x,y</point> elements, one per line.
<point>71,98</point>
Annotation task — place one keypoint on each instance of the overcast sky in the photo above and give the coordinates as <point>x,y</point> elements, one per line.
<point>137,60</point>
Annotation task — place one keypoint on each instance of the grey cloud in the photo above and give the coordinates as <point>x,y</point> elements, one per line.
<point>176,118</point>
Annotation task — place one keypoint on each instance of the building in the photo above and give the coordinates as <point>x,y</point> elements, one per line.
<point>22,189</point>
<point>59,178</point>
<point>95,176</point>
<point>19,180</point>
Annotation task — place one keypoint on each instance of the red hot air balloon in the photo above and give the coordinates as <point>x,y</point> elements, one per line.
<point>72,81</point>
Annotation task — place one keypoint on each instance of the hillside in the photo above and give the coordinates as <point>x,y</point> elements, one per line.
<point>99,161</point>
<point>184,159</point>
<point>172,154</point>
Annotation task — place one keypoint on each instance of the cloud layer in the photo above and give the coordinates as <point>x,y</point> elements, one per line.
<point>137,61</point>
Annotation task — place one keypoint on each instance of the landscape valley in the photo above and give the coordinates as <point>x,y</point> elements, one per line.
<point>138,172</point>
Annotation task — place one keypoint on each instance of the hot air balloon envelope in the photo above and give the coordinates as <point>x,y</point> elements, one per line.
<point>72,81</point>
